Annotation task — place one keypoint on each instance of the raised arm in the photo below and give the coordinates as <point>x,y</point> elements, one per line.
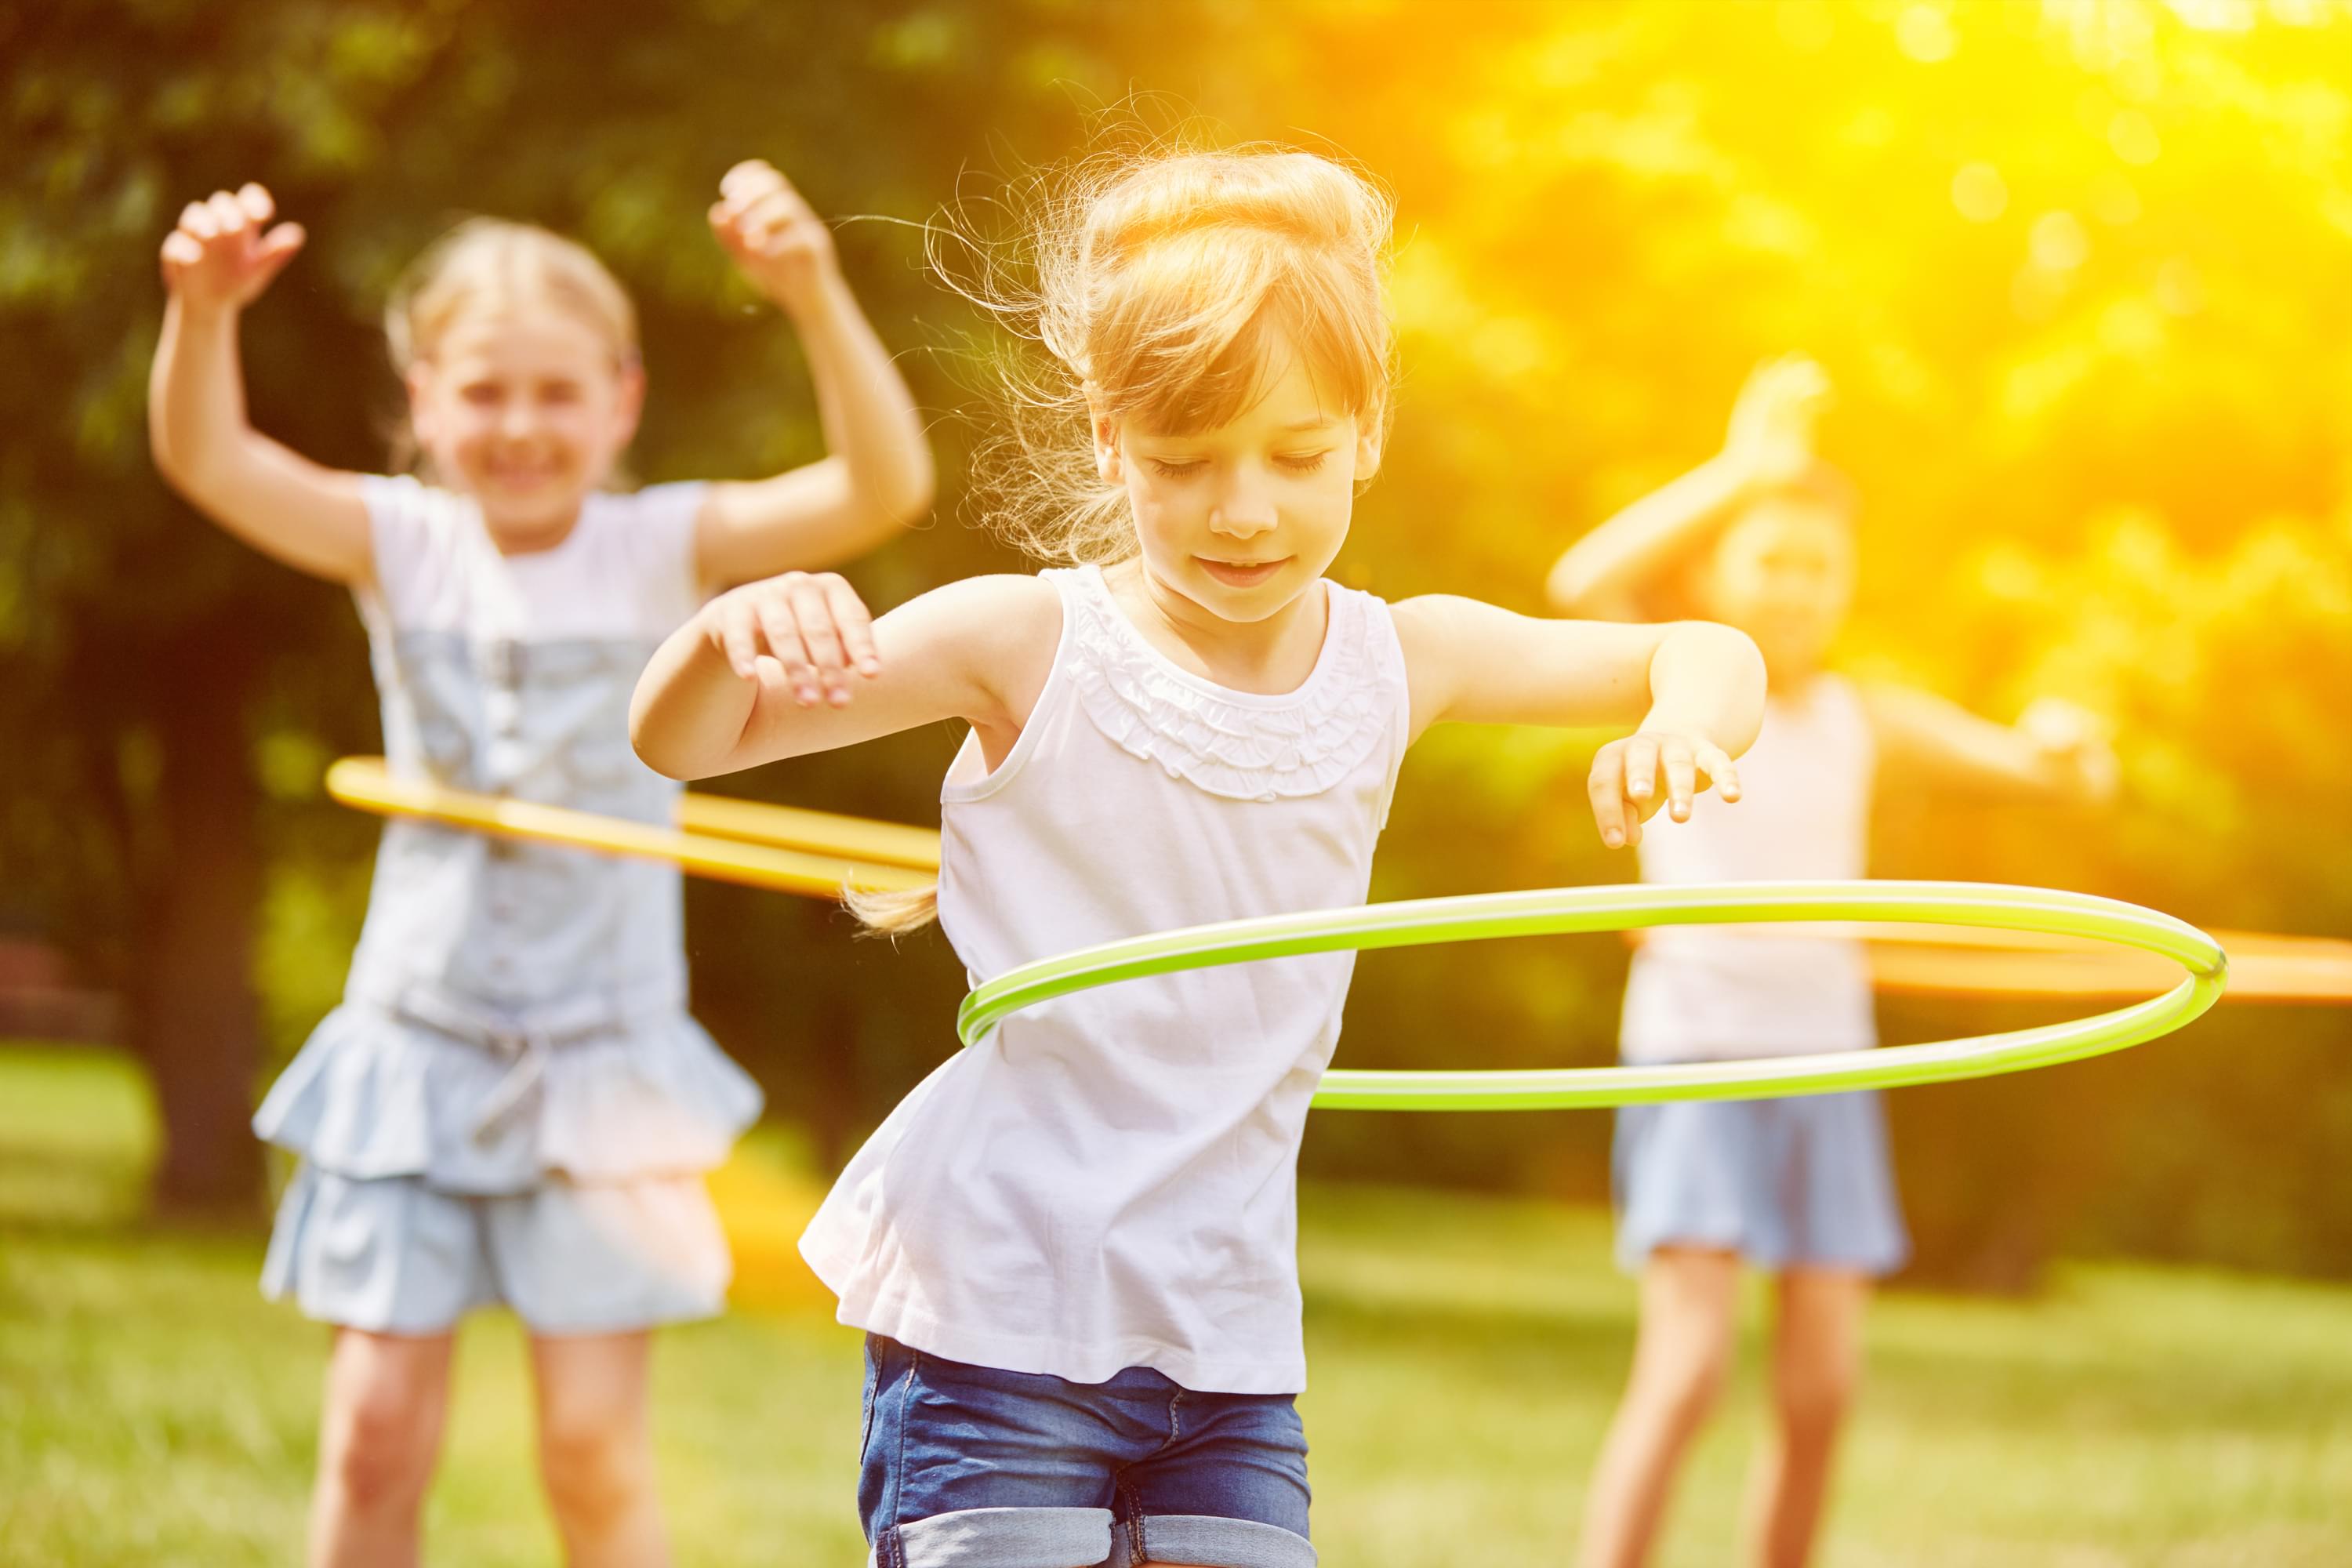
<point>2054,752</point>
<point>219,259</point>
<point>782,668</point>
<point>1692,691</point>
<point>1608,573</point>
<point>877,476</point>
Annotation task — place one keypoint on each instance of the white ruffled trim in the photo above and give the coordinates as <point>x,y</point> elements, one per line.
<point>1230,743</point>
<point>374,1095</point>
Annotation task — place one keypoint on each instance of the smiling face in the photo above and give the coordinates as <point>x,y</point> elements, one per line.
<point>1241,519</point>
<point>526,411</point>
<point>1783,572</point>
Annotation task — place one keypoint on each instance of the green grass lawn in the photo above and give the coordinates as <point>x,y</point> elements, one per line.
<point>1466,1351</point>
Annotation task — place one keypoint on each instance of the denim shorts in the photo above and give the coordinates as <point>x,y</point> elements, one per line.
<point>969,1467</point>
<point>394,1256</point>
<point>1786,1184</point>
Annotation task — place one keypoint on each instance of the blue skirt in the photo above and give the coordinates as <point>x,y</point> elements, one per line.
<point>1786,1184</point>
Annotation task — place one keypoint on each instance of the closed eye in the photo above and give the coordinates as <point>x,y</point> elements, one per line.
<point>1174,468</point>
<point>1303,462</point>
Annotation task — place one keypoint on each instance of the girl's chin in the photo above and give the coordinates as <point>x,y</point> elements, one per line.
<point>510,516</point>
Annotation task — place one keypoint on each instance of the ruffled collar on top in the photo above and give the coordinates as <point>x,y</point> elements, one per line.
<point>1236,744</point>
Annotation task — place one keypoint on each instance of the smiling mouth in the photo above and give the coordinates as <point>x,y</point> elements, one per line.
<point>1241,574</point>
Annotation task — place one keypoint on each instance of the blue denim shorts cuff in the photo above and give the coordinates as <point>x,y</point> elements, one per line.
<point>1214,1543</point>
<point>999,1538</point>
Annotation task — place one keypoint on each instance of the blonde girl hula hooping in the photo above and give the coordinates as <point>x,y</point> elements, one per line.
<point>1072,1247</point>
<point>513,1105</point>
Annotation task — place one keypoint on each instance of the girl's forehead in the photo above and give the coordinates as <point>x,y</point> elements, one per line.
<point>1289,402</point>
<point>520,335</point>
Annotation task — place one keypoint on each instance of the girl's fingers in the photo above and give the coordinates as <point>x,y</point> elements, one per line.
<point>182,249</point>
<point>280,243</point>
<point>1682,779</point>
<point>822,637</point>
<point>781,223</point>
<point>1719,768</point>
<point>256,201</point>
<point>772,209</point>
<point>785,642</point>
<point>1606,789</point>
<point>739,635</point>
<point>228,214</point>
<point>856,625</point>
<point>1640,767</point>
<point>747,178</point>
<point>727,224</point>
<point>196,219</point>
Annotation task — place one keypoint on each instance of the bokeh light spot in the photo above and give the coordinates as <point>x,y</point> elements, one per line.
<point>1923,33</point>
<point>2179,287</point>
<point>2133,138</point>
<point>1979,192</point>
<point>2059,243</point>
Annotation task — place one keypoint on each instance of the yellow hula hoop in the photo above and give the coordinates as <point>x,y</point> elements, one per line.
<point>816,854</point>
<point>809,855</point>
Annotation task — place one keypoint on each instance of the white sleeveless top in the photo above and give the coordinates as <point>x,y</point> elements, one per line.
<point>1108,1179</point>
<point>1803,815</point>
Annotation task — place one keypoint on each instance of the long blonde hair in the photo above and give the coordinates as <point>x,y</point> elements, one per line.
<point>486,264</point>
<point>1153,284</point>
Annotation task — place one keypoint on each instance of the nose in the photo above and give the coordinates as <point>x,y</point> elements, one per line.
<point>1242,508</point>
<point>518,417</point>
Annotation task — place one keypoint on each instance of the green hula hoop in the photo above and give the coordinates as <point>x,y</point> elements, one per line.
<point>1551,910</point>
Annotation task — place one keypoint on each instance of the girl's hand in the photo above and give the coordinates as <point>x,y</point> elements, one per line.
<point>1624,781</point>
<point>1771,437</point>
<point>224,254</point>
<point>774,236</point>
<point>804,630</point>
<point>2074,749</point>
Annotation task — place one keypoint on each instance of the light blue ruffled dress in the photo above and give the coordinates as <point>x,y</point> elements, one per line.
<point>512,1103</point>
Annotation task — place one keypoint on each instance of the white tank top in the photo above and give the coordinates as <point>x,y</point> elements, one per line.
<point>1803,815</point>
<point>1108,1179</point>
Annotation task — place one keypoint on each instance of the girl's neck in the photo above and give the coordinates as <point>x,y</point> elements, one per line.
<point>1266,657</point>
<point>535,537</point>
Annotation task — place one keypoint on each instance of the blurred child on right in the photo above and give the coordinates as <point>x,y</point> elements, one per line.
<point>1761,537</point>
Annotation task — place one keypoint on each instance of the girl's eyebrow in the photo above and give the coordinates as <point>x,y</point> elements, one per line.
<point>1319,422</point>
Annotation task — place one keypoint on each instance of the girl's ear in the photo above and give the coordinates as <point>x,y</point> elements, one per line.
<point>1368,453</point>
<point>1105,432</point>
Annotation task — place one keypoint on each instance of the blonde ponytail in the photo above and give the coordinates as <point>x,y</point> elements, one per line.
<point>893,912</point>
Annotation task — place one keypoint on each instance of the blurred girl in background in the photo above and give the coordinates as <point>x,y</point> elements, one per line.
<point>1073,1246</point>
<point>1761,537</point>
<point>513,1105</point>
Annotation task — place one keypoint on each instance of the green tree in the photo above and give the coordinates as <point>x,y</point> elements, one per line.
<point>154,670</point>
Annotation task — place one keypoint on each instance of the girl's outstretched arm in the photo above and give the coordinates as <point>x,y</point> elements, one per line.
<point>1694,690</point>
<point>878,477</point>
<point>2056,751</point>
<point>1608,573</point>
<point>792,664</point>
<point>219,261</point>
